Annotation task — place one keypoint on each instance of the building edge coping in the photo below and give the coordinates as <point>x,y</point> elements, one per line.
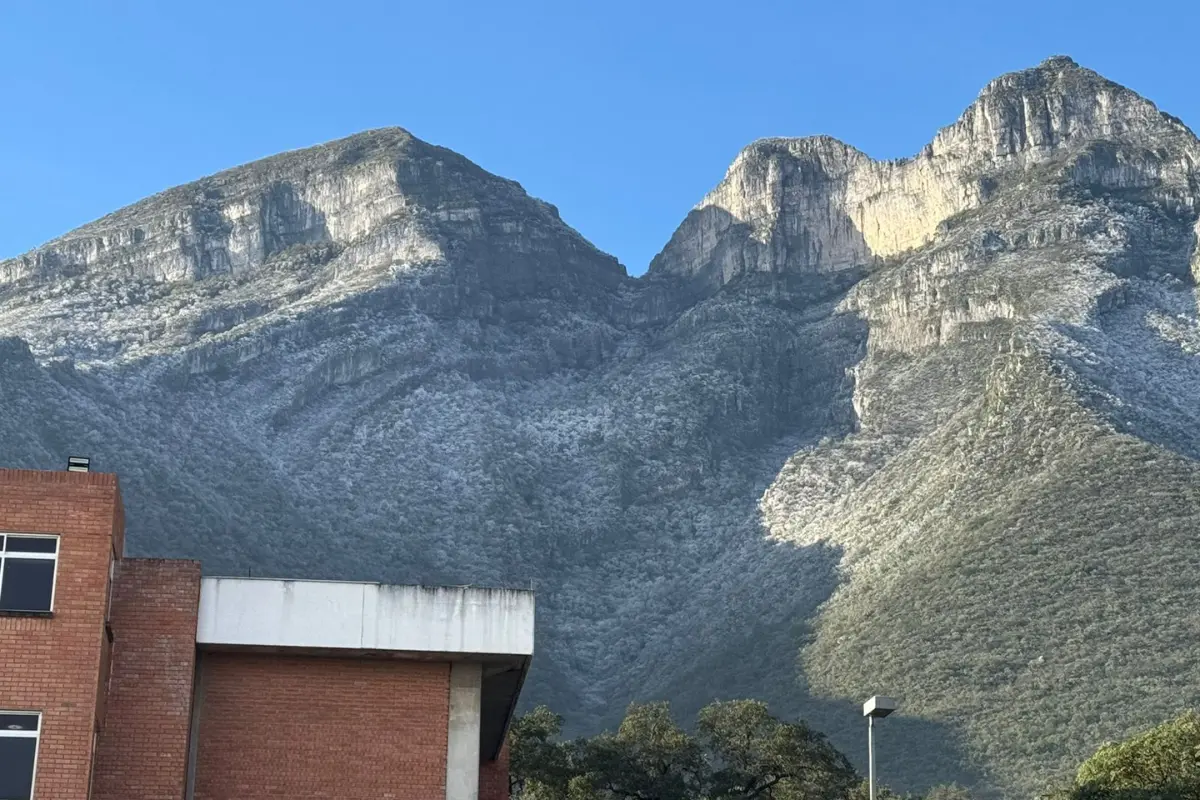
<point>426,586</point>
<point>42,476</point>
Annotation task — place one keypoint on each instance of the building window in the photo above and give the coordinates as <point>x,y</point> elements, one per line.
<point>27,567</point>
<point>18,753</point>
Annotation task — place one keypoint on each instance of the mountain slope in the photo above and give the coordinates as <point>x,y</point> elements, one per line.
<point>925,427</point>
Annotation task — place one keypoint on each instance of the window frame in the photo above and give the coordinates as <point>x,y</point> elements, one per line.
<point>5,555</point>
<point>37,742</point>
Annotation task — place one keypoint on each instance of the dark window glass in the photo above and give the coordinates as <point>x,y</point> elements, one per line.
<point>26,585</point>
<point>16,767</point>
<point>31,544</point>
<point>18,722</point>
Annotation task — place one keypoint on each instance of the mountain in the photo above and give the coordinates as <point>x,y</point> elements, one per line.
<point>924,427</point>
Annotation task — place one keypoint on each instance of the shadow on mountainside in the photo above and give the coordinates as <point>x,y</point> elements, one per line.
<point>216,244</point>
<point>743,615</point>
<point>752,634</point>
<point>289,220</point>
<point>770,622</point>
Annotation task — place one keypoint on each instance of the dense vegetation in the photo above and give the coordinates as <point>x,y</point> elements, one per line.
<point>1160,764</point>
<point>739,751</point>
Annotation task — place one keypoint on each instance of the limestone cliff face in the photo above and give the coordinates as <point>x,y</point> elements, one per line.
<point>300,229</point>
<point>780,209</point>
<point>797,205</point>
<point>234,222</point>
<point>925,426</point>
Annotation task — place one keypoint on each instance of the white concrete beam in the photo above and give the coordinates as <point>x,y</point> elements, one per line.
<point>365,616</point>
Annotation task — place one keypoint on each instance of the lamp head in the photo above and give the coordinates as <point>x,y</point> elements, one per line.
<point>879,707</point>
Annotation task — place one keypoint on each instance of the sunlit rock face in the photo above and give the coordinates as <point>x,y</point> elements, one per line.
<point>796,205</point>
<point>301,230</point>
<point>926,427</point>
<point>780,209</point>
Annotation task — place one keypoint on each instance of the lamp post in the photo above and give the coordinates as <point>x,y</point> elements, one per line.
<point>877,707</point>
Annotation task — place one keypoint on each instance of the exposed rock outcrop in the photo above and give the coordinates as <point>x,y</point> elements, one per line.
<point>301,230</point>
<point>796,205</point>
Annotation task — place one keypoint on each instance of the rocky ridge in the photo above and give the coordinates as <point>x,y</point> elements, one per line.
<point>924,424</point>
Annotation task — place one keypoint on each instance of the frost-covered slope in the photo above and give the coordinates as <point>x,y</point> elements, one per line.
<point>925,427</point>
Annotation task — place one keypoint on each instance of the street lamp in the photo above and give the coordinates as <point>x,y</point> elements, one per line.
<point>877,707</point>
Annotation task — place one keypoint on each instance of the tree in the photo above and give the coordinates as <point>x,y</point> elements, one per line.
<point>739,752</point>
<point>538,766</point>
<point>755,755</point>
<point>1160,764</point>
<point>649,758</point>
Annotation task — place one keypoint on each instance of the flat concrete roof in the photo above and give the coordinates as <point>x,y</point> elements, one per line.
<point>336,615</point>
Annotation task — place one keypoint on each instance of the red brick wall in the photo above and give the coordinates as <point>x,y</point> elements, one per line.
<point>302,728</point>
<point>143,747</point>
<point>52,664</point>
<point>493,777</point>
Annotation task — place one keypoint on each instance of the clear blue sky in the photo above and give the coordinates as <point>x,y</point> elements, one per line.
<point>622,113</point>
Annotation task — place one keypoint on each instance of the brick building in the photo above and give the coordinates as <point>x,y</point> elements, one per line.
<point>139,679</point>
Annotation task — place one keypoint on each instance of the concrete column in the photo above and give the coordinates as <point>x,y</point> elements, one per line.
<point>462,743</point>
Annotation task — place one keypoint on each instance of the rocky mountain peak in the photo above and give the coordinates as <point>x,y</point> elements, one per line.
<point>304,229</point>
<point>1029,115</point>
<point>1058,62</point>
<point>815,205</point>
<point>776,211</point>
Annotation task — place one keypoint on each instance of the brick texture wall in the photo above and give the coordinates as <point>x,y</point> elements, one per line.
<point>302,728</point>
<point>493,777</point>
<point>143,747</point>
<point>52,664</point>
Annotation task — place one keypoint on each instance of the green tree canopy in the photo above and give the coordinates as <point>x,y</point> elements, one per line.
<point>1160,764</point>
<point>650,757</point>
<point>752,754</point>
<point>738,752</point>
<point>538,764</point>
